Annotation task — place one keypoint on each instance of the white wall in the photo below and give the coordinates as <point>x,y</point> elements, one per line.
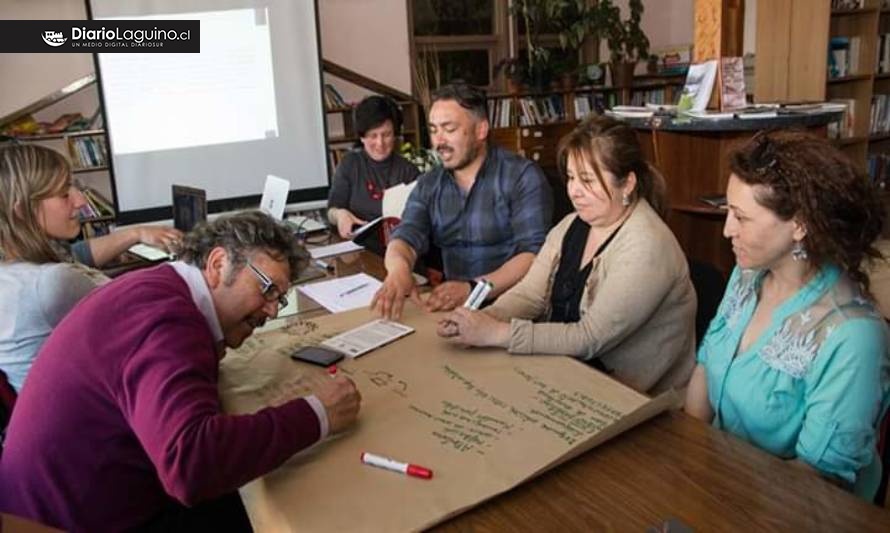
<point>665,23</point>
<point>369,37</point>
<point>26,77</point>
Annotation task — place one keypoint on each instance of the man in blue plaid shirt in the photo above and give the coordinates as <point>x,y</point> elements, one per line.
<point>486,208</point>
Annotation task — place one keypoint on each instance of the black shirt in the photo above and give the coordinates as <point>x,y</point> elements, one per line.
<point>359,182</point>
<point>568,285</point>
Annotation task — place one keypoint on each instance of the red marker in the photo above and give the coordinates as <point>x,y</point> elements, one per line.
<point>396,466</point>
<point>332,371</point>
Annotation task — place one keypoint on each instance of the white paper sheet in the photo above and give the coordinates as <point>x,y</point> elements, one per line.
<point>334,249</point>
<point>395,198</point>
<point>343,294</point>
<point>367,337</point>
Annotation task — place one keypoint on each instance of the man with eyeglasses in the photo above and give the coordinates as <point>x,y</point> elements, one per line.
<point>119,426</point>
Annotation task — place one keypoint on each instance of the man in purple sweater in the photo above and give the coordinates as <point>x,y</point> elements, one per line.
<point>119,424</point>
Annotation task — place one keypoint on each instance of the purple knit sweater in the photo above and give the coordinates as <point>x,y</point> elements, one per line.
<point>120,412</point>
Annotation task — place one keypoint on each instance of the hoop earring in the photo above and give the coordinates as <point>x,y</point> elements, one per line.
<point>798,252</point>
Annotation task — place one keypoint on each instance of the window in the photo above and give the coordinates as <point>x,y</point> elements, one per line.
<point>466,38</point>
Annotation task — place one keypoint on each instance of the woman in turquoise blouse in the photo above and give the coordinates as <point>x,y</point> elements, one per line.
<point>796,359</point>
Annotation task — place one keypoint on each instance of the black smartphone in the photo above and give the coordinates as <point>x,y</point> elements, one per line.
<point>317,355</point>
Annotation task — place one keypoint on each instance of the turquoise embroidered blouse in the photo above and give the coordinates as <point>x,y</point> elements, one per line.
<point>815,383</point>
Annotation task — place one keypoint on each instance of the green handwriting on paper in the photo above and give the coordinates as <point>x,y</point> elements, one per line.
<point>569,416</point>
<point>464,429</point>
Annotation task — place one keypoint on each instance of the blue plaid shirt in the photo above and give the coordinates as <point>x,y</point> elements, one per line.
<point>507,211</point>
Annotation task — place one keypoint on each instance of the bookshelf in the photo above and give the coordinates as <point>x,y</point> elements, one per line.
<point>851,70</point>
<point>83,141</point>
<point>878,157</point>
<point>532,124</point>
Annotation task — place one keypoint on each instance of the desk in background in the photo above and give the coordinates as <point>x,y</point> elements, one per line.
<point>693,156</point>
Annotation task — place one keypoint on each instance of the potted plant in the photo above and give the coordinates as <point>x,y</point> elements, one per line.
<point>570,20</point>
<point>514,71</point>
<point>534,13</point>
<point>626,41</point>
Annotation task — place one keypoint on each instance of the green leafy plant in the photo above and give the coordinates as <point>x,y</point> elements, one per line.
<point>534,13</point>
<point>422,158</point>
<point>625,38</point>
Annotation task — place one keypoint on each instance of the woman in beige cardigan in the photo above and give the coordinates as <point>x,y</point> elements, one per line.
<point>611,285</point>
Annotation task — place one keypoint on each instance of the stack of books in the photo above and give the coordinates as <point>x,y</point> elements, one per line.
<point>332,98</point>
<point>96,206</point>
<point>88,152</point>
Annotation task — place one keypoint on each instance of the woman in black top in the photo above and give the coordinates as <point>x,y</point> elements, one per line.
<point>356,194</point>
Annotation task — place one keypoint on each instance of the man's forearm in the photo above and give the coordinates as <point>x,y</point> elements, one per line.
<point>399,256</point>
<point>510,273</point>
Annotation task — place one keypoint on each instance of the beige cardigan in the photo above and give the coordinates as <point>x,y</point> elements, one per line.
<point>637,310</point>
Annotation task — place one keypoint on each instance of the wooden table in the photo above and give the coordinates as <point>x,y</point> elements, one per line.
<point>675,466</point>
<point>671,467</point>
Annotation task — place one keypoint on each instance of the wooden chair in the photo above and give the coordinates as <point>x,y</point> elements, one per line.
<point>709,286</point>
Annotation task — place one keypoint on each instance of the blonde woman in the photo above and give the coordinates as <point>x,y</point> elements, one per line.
<point>39,210</point>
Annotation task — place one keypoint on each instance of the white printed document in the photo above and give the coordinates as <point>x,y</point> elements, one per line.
<point>367,337</point>
<point>343,294</point>
<point>395,198</point>
<point>274,196</point>
<point>335,249</point>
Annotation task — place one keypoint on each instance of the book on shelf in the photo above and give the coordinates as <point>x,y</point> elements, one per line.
<point>847,4</point>
<point>673,60</point>
<point>804,109</point>
<point>878,168</point>
<point>883,63</point>
<point>643,97</point>
<point>88,151</point>
<point>843,56</point>
<point>627,111</point>
<point>97,204</point>
<point>700,84</point>
<point>879,119</point>
<point>332,97</point>
<point>337,155</point>
<point>732,83</point>
<point>844,126</point>
<point>710,114</point>
<point>757,111</point>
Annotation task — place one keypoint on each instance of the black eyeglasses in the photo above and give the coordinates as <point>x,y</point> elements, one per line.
<point>269,290</point>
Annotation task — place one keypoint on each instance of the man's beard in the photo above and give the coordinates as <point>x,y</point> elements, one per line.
<point>469,157</point>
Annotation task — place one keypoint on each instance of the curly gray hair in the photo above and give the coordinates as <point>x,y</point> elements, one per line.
<point>241,235</point>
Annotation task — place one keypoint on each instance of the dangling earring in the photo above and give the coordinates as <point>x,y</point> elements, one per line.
<point>798,252</point>
<point>625,199</point>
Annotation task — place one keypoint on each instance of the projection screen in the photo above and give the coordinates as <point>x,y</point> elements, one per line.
<point>248,105</point>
